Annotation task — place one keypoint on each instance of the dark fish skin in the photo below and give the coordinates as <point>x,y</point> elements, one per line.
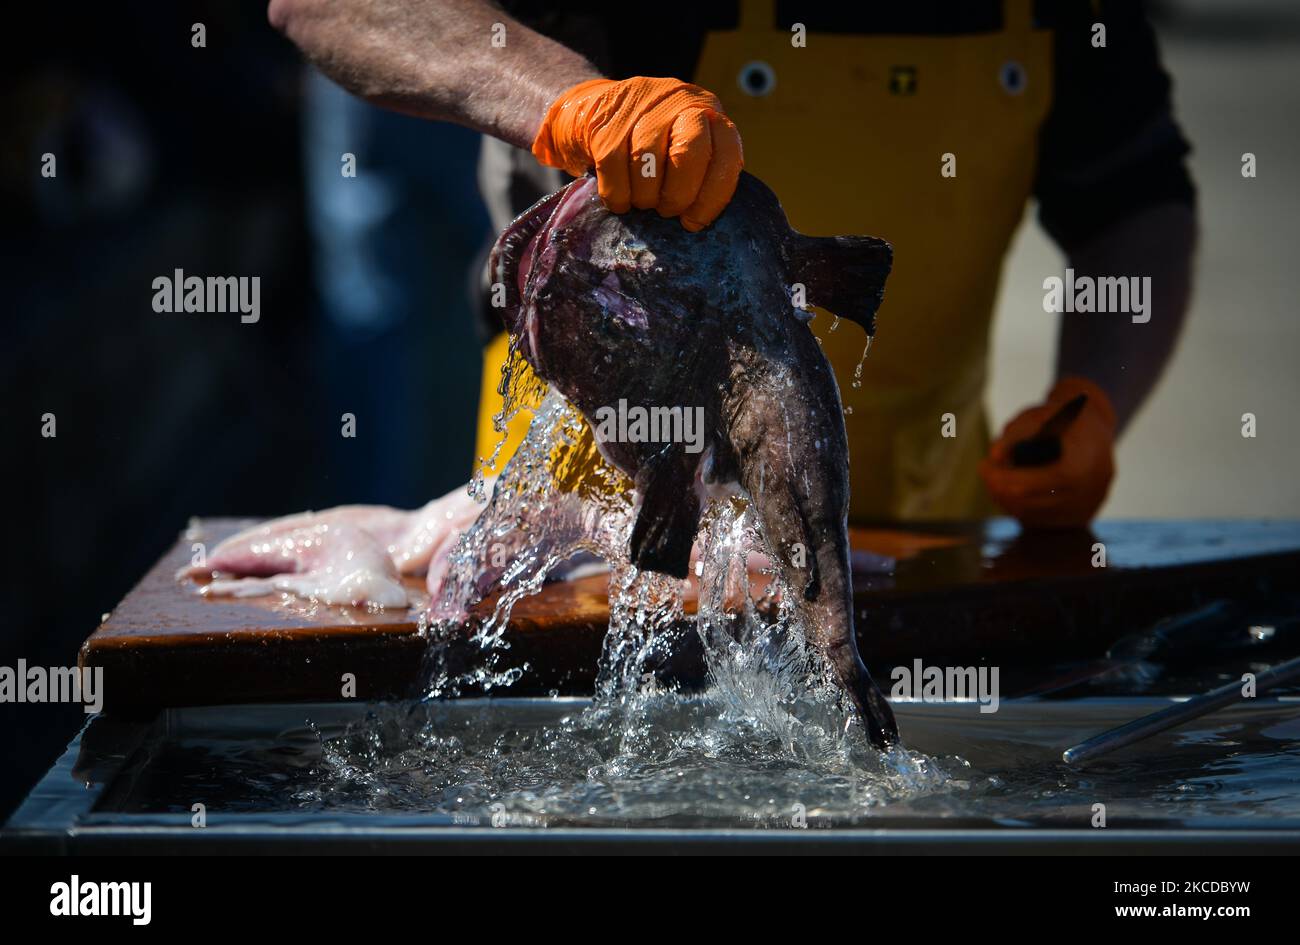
<point>608,307</point>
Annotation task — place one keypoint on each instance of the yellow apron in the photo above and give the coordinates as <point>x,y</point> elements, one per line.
<point>851,133</point>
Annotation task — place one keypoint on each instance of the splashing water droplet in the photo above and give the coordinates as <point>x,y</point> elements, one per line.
<point>857,371</point>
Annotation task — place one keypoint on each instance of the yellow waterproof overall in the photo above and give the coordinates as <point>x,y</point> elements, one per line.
<point>852,133</point>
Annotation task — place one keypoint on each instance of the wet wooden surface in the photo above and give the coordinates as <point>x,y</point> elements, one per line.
<point>964,592</point>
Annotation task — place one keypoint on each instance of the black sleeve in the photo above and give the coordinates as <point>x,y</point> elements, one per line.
<point>1109,146</point>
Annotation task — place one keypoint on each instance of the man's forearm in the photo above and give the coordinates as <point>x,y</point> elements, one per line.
<point>1125,358</point>
<point>436,59</point>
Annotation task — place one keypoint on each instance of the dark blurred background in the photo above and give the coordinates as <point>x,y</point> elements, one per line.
<point>222,160</point>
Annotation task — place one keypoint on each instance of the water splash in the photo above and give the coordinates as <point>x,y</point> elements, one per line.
<point>668,759</point>
<point>555,501</point>
<point>769,723</point>
<point>520,389</point>
<point>764,745</point>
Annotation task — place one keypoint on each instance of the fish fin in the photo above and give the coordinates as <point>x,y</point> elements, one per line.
<point>669,514</point>
<point>843,274</point>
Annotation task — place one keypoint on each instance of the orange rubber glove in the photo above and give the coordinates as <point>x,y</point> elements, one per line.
<point>609,125</point>
<point>1068,492</point>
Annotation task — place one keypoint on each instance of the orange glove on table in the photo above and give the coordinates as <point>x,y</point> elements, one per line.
<point>1068,492</point>
<point>609,125</point>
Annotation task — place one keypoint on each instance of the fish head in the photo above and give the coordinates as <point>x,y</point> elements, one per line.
<point>606,306</point>
<point>546,261</point>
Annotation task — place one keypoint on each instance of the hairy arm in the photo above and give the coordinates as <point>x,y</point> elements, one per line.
<point>1126,359</point>
<point>436,59</point>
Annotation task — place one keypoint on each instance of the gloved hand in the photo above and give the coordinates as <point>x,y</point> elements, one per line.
<point>609,125</point>
<point>1068,492</point>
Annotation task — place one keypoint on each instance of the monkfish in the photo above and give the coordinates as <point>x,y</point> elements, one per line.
<point>691,357</point>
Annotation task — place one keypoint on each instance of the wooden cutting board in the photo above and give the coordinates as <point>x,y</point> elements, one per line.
<point>956,594</point>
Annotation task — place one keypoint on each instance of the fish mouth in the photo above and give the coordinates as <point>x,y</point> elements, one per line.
<point>525,255</point>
